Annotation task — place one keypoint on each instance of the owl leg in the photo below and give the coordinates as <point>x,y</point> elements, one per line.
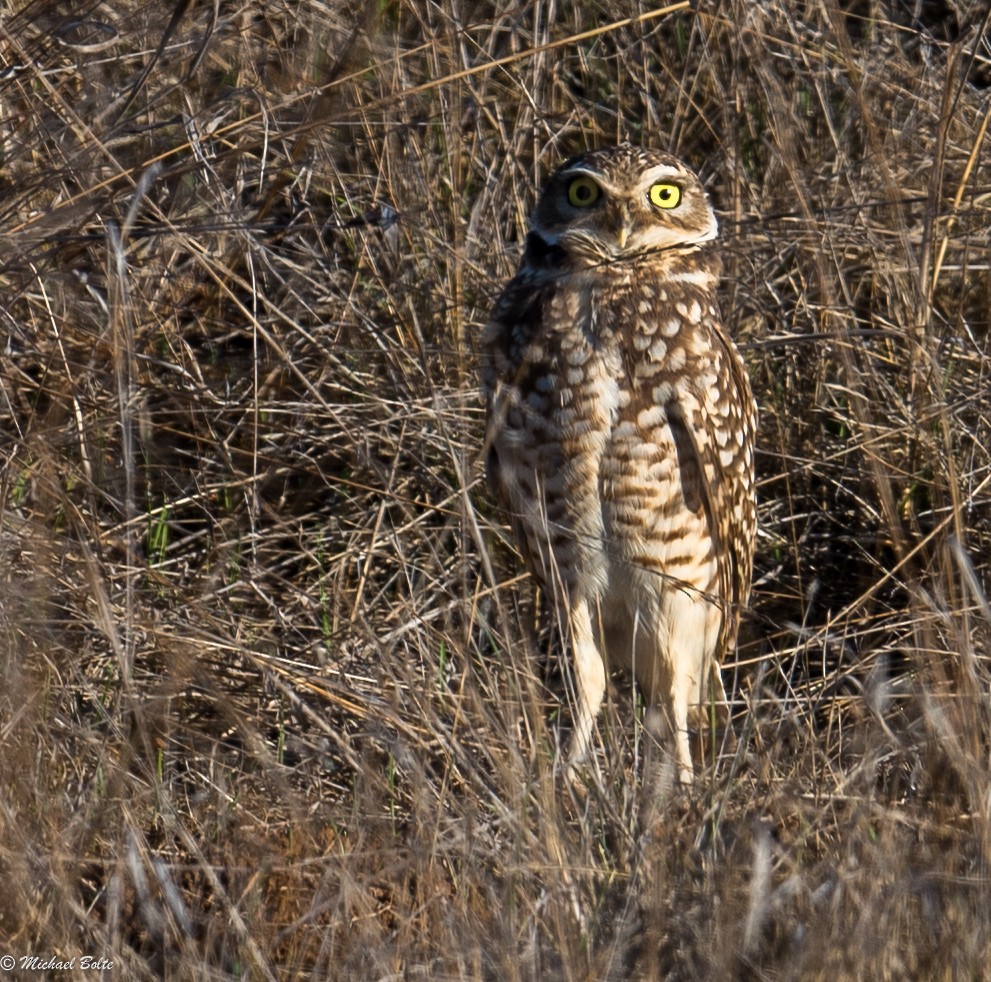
<point>590,679</point>
<point>685,644</point>
<point>669,722</point>
<point>681,691</point>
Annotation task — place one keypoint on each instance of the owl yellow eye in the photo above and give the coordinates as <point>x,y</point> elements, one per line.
<point>665,195</point>
<point>583,192</point>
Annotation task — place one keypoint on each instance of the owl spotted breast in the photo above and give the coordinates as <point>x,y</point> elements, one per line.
<point>621,431</point>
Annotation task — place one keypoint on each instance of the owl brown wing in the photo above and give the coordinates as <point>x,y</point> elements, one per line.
<point>719,493</point>
<point>507,358</point>
<point>510,357</point>
<point>742,505</point>
<point>703,484</point>
<point>519,314</point>
<point>705,488</point>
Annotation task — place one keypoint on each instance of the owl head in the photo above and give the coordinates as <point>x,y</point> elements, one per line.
<point>622,202</point>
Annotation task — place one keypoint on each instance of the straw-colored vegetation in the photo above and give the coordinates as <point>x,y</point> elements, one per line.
<point>273,705</point>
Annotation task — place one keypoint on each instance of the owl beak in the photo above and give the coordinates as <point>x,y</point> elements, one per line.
<point>624,228</point>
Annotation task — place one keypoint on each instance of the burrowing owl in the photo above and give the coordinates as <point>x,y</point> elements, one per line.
<point>621,431</point>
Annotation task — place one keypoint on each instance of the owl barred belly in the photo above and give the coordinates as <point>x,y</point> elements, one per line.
<point>621,429</point>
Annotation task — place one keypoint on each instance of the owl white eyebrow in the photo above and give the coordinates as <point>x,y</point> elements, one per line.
<point>662,174</point>
<point>593,175</point>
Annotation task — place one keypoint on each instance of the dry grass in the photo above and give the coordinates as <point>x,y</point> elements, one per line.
<point>271,707</point>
